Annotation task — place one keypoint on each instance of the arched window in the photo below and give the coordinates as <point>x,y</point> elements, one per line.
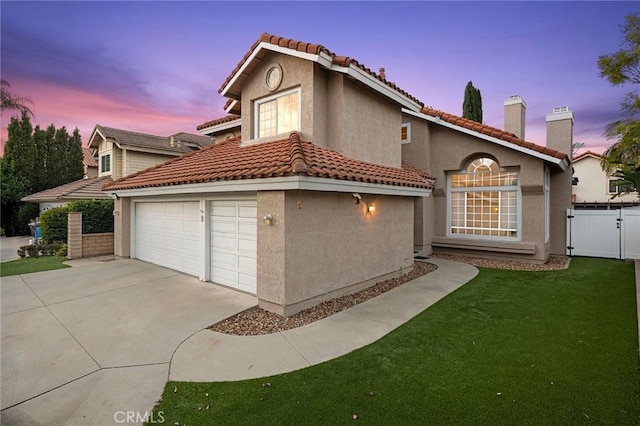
<point>484,200</point>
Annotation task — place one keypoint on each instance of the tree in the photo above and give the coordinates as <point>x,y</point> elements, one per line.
<point>472,104</point>
<point>9,102</point>
<point>622,158</point>
<point>12,189</point>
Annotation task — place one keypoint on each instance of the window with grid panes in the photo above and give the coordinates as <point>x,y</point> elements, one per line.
<point>278,114</point>
<point>484,201</point>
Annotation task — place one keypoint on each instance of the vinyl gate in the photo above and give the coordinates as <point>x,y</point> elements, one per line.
<point>604,233</point>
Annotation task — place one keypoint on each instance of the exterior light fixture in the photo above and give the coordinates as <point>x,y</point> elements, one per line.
<point>267,219</point>
<point>371,208</point>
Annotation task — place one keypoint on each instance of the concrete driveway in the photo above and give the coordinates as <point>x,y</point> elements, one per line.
<point>9,247</point>
<point>89,344</point>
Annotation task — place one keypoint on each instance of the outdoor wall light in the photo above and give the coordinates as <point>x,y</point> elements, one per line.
<point>267,219</point>
<point>371,208</point>
<point>357,196</point>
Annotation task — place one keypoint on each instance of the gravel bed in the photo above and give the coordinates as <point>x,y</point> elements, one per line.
<point>256,321</point>
<point>554,263</point>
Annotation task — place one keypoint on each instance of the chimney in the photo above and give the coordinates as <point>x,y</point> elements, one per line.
<point>514,115</point>
<point>560,130</point>
<point>382,74</point>
<point>172,141</point>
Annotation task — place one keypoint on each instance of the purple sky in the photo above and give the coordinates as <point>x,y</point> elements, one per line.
<point>156,67</point>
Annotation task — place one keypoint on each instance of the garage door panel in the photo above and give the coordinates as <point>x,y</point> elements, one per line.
<point>224,242</point>
<point>167,234</point>
<point>221,210</point>
<point>248,211</point>
<point>233,244</point>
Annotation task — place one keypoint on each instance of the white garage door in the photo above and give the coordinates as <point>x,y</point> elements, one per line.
<point>233,244</point>
<point>167,234</point>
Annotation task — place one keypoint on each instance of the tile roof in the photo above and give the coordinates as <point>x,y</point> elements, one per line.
<point>316,49</point>
<point>290,156</point>
<point>587,154</point>
<point>222,120</point>
<point>83,189</point>
<point>144,140</point>
<point>88,159</point>
<point>492,131</point>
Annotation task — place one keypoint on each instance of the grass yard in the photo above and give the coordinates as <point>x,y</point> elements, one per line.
<point>31,264</point>
<point>509,347</point>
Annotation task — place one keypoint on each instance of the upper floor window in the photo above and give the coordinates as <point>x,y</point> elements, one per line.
<point>105,163</point>
<point>405,133</point>
<point>484,201</point>
<point>615,188</point>
<point>278,114</point>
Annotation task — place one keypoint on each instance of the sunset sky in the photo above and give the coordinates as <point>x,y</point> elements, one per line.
<point>156,67</point>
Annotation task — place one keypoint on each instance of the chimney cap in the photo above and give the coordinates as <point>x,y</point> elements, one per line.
<point>382,74</point>
<point>515,99</point>
<point>560,113</point>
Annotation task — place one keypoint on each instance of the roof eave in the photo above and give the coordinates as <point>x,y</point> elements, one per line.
<point>326,61</point>
<point>220,127</point>
<point>306,183</point>
<point>562,163</point>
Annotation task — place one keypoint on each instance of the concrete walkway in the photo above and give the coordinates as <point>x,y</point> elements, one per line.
<point>208,356</point>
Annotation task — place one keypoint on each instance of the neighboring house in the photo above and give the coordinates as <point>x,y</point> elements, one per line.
<point>113,153</point>
<point>90,162</point>
<point>594,188</point>
<point>319,183</point>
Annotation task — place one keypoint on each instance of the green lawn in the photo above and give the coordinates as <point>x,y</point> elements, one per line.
<point>31,264</point>
<point>507,348</point>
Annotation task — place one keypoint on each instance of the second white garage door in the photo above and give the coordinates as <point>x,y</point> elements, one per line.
<point>168,234</point>
<point>234,244</point>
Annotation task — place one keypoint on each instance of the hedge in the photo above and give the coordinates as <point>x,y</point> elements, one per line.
<point>97,217</point>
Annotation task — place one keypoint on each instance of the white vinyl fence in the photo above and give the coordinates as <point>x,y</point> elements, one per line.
<point>604,233</point>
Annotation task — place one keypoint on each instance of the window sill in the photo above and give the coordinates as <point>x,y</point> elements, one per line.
<point>519,247</point>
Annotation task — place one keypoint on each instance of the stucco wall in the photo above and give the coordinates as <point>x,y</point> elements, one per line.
<point>122,227</point>
<point>321,245</point>
<point>295,73</point>
<point>449,151</point>
<point>593,185</point>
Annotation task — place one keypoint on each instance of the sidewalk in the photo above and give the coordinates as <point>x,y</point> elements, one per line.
<point>208,356</point>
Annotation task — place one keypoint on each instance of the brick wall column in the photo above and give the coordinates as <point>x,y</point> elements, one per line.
<point>74,235</point>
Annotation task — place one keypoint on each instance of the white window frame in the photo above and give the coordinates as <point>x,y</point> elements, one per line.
<point>547,204</point>
<point>450,190</point>
<point>408,127</point>
<point>258,102</point>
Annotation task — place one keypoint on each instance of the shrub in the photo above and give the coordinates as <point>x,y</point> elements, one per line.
<point>37,250</point>
<point>2,234</point>
<point>27,212</point>
<point>62,251</point>
<point>53,224</point>
<point>97,215</point>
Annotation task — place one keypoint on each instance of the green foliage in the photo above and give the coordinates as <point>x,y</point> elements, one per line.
<point>621,68</point>
<point>12,189</point>
<point>62,251</point>
<point>2,234</point>
<point>53,224</point>
<point>35,160</point>
<point>26,212</point>
<point>472,104</point>
<point>97,215</point>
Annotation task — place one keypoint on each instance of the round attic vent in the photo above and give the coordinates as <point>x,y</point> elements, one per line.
<point>273,77</point>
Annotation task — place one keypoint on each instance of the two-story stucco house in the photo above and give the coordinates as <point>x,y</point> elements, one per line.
<point>326,178</point>
<point>112,154</point>
<point>594,188</point>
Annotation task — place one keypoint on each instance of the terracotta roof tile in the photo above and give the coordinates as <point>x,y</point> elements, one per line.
<point>587,154</point>
<point>229,160</point>
<point>492,131</point>
<point>225,119</point>
<point>313,49</point>
<point>83,189</point>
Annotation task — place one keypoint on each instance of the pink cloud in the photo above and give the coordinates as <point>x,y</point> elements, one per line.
<point>70,107</point>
